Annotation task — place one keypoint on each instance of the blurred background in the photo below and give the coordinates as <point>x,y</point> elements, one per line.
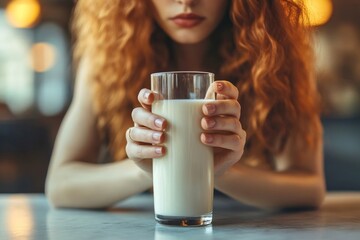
<point>36,84</point>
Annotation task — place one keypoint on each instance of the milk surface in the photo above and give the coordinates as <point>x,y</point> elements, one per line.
<point>183,178</point>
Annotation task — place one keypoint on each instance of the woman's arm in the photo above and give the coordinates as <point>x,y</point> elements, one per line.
<point>301,185</point>
<point>74,179</point>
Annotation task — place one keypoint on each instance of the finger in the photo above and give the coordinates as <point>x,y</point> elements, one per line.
<point>232,142</point>
<point>210,93</point>
<point>144,135</point>
<point>146,97</point>
<point>223,89</point>
<point>145,118</point>
<point>138,152</point>
<point>226,88</point>
<point>230,124</point>
<point>222,107</point>
<point>222,97</point>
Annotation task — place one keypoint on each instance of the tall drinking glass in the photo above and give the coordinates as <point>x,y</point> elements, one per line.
<point>184,178</point>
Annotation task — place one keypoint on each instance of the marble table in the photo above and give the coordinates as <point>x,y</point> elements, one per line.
<point>30,217</point>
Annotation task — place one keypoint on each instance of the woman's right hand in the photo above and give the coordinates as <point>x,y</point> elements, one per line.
<point>148,132</point>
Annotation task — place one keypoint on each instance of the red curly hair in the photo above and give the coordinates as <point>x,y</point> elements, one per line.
<point>265,50</point>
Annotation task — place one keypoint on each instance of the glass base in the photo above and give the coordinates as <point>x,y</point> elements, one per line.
<point>184,221</point>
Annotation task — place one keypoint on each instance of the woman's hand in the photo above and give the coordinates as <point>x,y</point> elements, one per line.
<point>222,120</point>
<point>148,130</point>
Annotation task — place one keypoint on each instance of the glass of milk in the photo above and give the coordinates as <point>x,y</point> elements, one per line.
<point>184,178</point>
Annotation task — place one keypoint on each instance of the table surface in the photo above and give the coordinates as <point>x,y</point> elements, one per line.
<point>30,217</point>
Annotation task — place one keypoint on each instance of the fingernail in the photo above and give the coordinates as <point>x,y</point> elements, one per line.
<point>209,138</point>
<point>156,137</point>
<point>210,123</point>
<point>158,150</point>
<point>146,95</point>
<point>159,123</point>
<point>210,108</point>
<point>219,86</point>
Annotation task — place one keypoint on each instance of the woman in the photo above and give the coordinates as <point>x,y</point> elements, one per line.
<point>263,51</point>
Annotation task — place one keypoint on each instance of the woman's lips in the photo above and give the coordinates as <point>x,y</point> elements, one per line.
<point>187,20</point>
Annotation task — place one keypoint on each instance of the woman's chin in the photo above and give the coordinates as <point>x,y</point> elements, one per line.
<point>188,39</point>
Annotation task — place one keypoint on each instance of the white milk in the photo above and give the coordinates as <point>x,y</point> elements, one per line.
<point>183,178</point>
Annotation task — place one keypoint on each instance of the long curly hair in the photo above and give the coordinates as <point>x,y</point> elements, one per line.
<point>263,47</point>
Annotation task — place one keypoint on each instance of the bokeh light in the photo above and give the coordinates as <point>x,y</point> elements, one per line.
<point>42,56</point>
<point>319,11</point>
<point>23,13</point>
<point>19,217</point>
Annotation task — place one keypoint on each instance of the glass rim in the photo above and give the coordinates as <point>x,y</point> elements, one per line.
<point>156,74</point>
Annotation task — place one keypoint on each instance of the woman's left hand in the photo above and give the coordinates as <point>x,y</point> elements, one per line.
<point>222,119</point>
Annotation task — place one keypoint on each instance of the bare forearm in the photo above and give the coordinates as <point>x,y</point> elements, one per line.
<point>266,189</point>
<point>87,185</point>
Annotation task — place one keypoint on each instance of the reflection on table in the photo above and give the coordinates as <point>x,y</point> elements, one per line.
<point>31,217</point>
